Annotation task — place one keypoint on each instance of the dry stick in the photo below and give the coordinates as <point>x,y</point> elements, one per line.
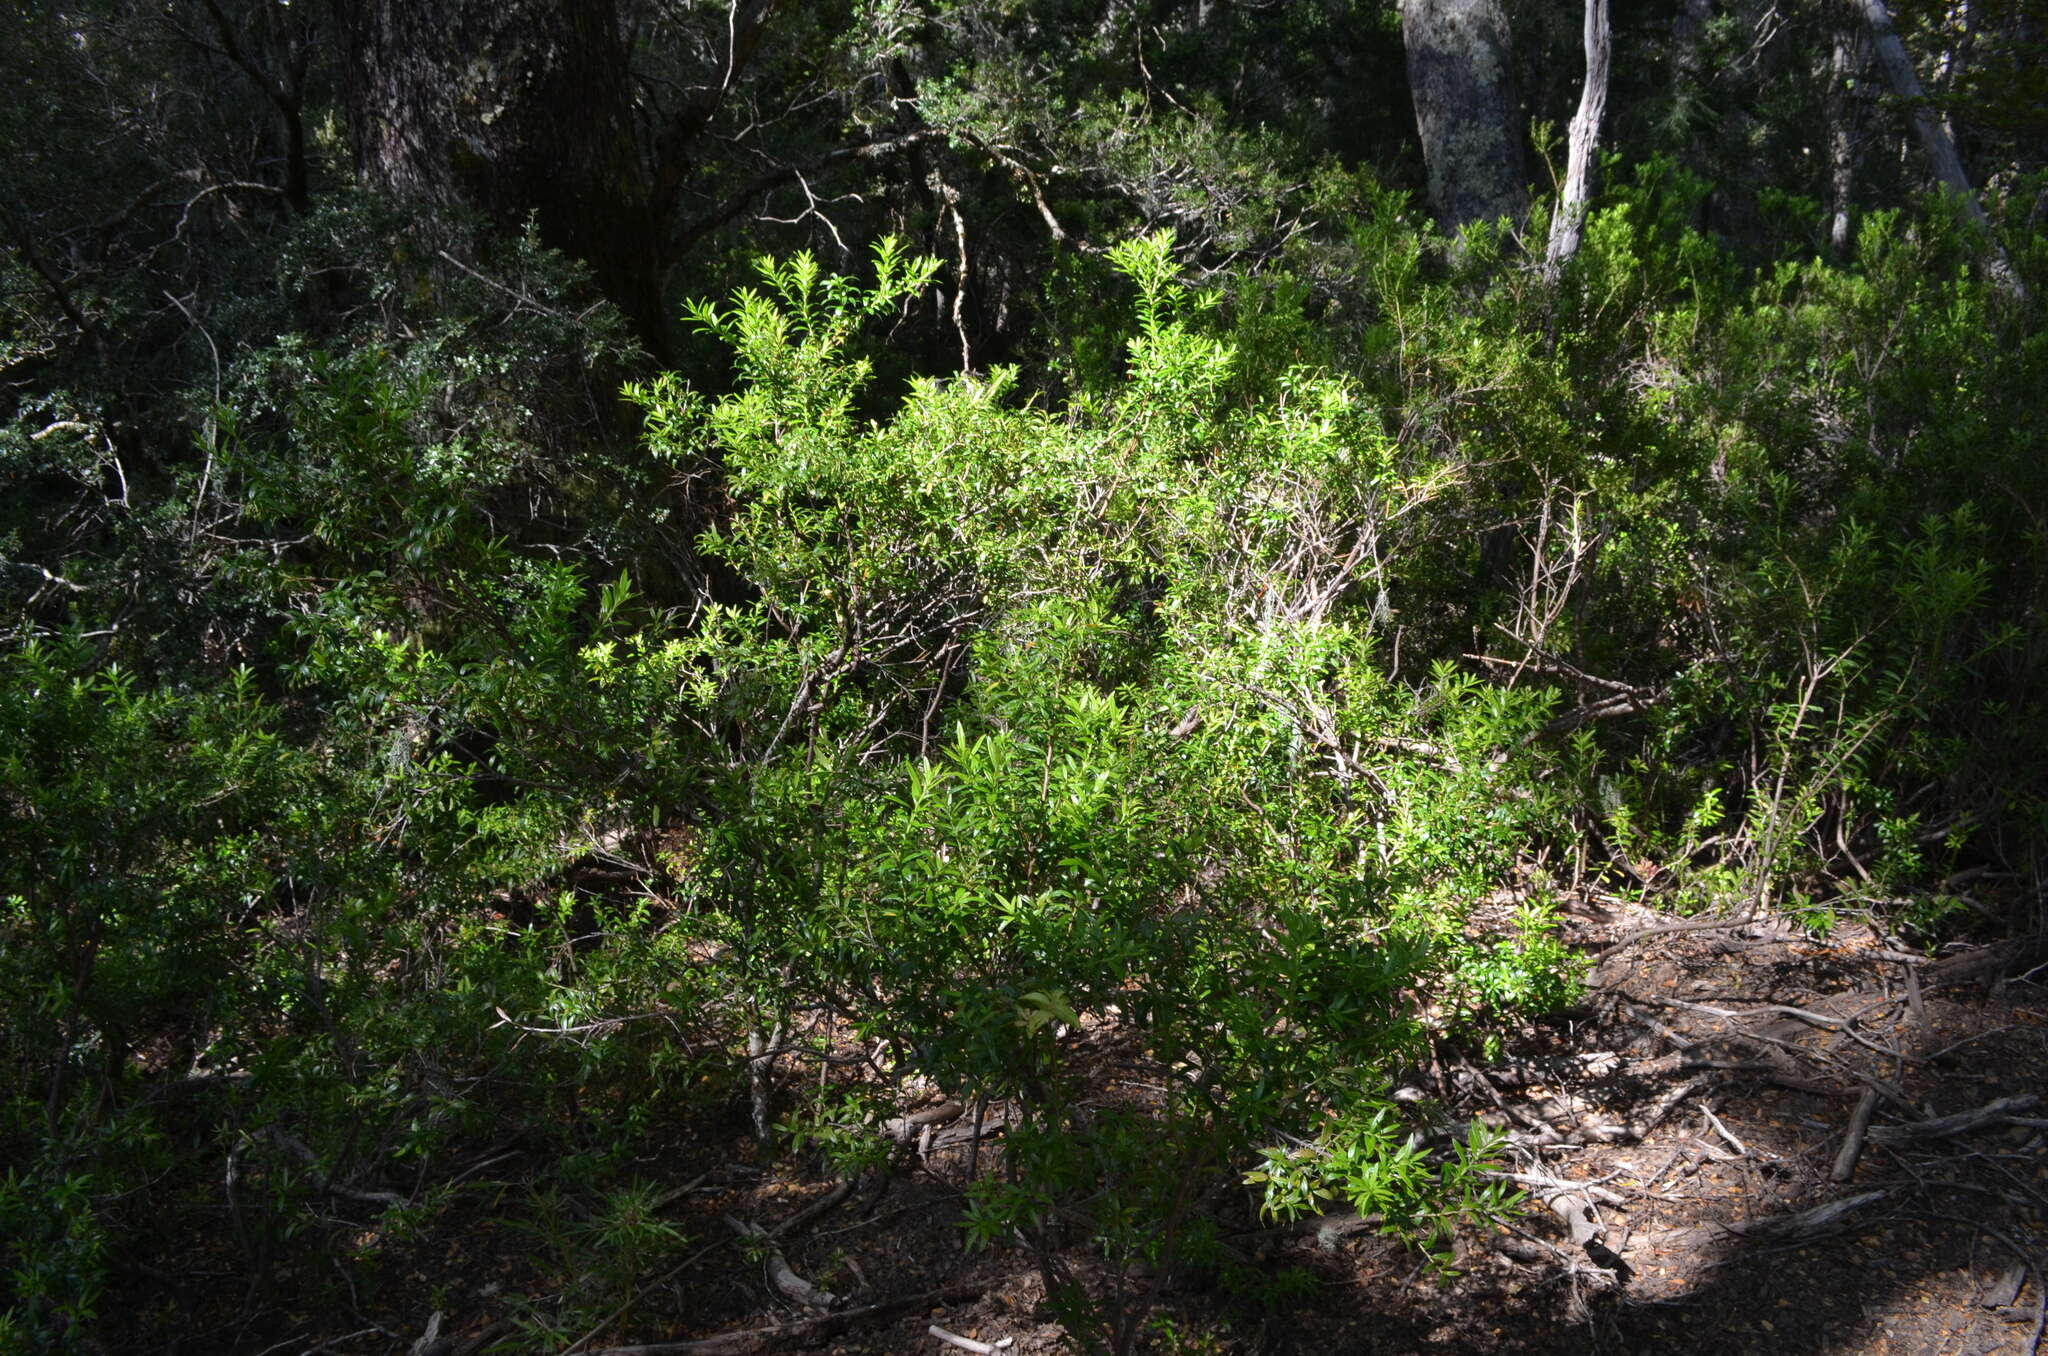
<point>905,1128</point>
<point>298,1149</point>
<point>1640,1129</point>
<point>1788,1080</point>
<point>1723,1130</point>
<point>1916,1004</point>
<point>1545,1132</point>
<point>795,1334</point>
<point>1758,1037</point>
<point>801,1220</point>
<point>954,1339</point>
<point>1562,1186</point>
<point>1852,1143</point>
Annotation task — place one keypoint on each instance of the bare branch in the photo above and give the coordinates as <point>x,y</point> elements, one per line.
<point>741,198</point>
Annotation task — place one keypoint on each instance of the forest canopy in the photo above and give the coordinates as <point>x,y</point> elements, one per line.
<point>608,581</point>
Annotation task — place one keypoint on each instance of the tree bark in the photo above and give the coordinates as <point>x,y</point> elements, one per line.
<point>516,108</point>
<point>1568,226</point>
<point>1461,79</point>
<point>1935,141</point>
<point>1841,115</point>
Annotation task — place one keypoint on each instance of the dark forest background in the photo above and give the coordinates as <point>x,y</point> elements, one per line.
<point>568,565</point>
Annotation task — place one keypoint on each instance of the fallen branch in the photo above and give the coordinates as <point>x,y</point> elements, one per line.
<point>298,1149</point>
<point>1852,1143</point>
<point>1663,929</point>
<point>1807,1224</point>
<point>1987,964</point>
<point>1940,1127</point>
<point>981,1129</point>
<point>1573,1202</point>
<point>430,1343</point>
<point>792,1287</point>
<point>801,1220</point>
<point>902,1128</point>
<point>1552,1186</point>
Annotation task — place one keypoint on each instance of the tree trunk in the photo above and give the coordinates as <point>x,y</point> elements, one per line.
<point>1568,226</point>
<point>1461,78</point>
<point>516,108</point>
<point>1935,141</point>
<point>1958,28</point>
<point>1688,31</point>
<point>1841,115</point>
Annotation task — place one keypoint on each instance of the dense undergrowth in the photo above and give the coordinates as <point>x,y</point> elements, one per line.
<point>1202,687</point>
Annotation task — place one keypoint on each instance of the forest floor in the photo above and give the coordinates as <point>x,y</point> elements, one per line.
<point>1681,1135</point>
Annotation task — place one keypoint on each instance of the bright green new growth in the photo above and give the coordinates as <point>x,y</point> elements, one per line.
<point>1063,729</point>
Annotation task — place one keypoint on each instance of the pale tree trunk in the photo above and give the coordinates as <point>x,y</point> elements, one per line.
<point>1461,77</point>
<point>1568,226</point>
<point>1841,115</point>
<point>1956,27</point>
<point>1935,142</point>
